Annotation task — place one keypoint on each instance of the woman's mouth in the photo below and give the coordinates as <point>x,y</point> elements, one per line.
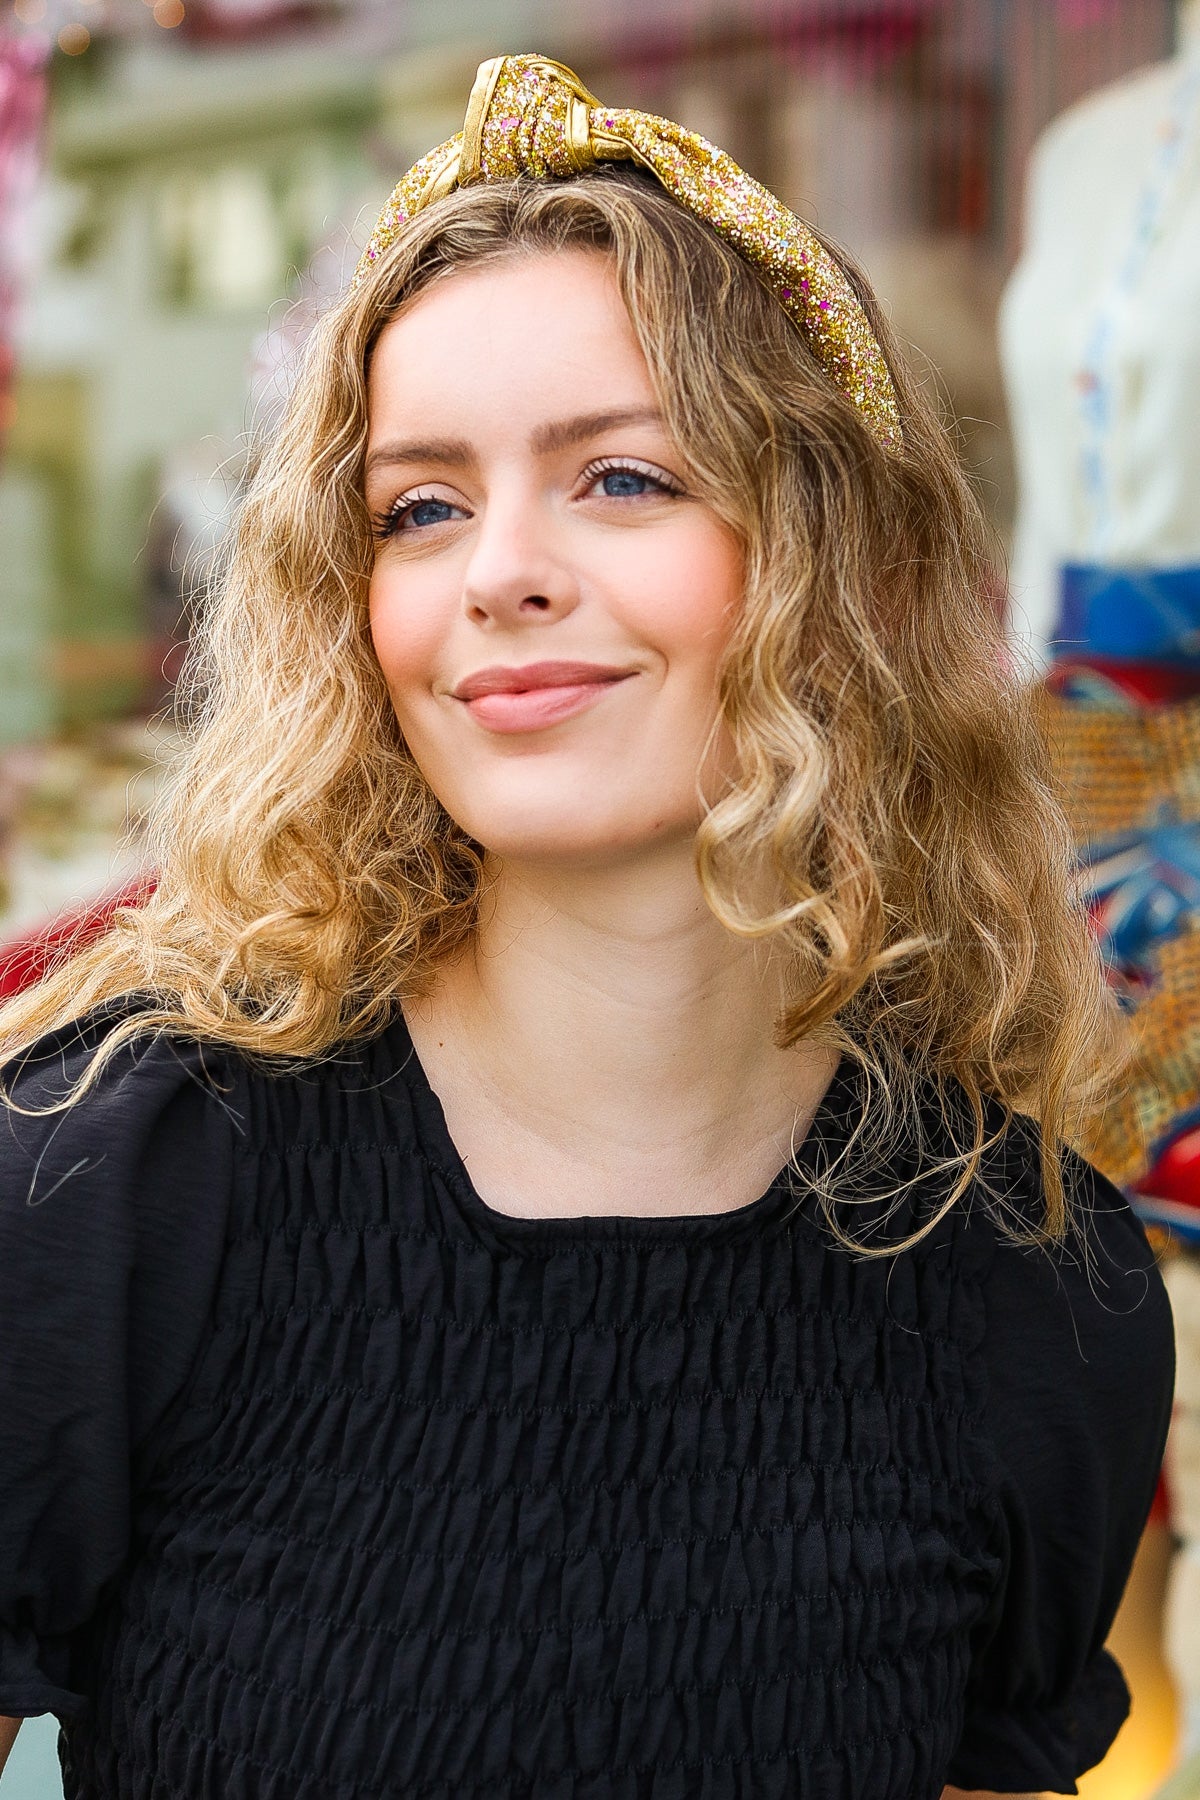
<point>536,696</point>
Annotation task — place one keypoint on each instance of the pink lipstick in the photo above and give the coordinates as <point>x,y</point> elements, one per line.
<point>535,695</point>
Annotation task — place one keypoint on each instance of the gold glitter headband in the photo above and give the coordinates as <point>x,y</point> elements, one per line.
<point>529,116</point>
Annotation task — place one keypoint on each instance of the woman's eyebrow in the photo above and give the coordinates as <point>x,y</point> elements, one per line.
<point>454,451</point>
<point>559,434</point>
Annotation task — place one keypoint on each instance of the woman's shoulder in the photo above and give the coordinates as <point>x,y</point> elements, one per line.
<point>99,1089</point>
<point>1005,1204</point>
<point>1093,1298</point>
<point>114,1203</point>
<point>1078,1355</point>
<point>1077,1373</point>
<point>367,1089</point>
<point>1087,1310</point>
<point>1103,1252</point>
<point>104,1083</point>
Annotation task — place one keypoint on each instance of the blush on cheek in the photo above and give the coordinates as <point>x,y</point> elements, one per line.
<point>397,639</point>
<point>407,643</point>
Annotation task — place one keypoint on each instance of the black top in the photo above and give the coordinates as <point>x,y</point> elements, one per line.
<point>323,1480</point>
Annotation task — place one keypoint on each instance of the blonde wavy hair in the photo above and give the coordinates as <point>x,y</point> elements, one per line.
<point>892,829</point>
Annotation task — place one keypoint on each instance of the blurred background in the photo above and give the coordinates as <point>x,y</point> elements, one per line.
<point>183,182</point>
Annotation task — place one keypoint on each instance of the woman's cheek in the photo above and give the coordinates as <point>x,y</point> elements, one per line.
<point>403,634</point>
<point>695,590</point>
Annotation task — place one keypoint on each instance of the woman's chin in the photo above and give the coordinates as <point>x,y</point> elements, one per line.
<point>572,839</point>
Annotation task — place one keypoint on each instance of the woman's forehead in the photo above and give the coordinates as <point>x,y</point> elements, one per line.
<point>531,339</point>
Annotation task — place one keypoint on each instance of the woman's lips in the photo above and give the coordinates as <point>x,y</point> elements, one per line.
<point>532,709</point>
<point>531,701</point>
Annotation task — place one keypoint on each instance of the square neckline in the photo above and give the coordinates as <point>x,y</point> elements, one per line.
<point>828,1131</point>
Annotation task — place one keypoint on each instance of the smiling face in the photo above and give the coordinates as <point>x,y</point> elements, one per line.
<point>549,602</point>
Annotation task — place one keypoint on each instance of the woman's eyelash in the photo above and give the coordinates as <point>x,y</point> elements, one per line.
<point>616,465</point>
<point>387,524</point>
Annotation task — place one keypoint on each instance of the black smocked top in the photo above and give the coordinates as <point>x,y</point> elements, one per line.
<point>323,1480</point>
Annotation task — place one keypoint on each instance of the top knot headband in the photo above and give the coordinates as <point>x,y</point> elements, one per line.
<point>529,116</point>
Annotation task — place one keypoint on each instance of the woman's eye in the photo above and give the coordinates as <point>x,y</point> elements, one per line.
<point>414,514</point>
<point>624,481</point>
<point>428,512</point>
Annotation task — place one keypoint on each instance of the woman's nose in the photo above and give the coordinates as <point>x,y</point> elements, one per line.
<point>518,572</point>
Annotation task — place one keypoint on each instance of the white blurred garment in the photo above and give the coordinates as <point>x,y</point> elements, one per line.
<point>1100,340</point>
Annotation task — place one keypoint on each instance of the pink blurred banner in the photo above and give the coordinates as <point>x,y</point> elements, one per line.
<point>22,109</point>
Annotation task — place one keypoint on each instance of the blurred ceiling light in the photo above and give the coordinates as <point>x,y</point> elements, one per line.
<point>168,13</point>
<point>30,12</point>
<point>74,39</point>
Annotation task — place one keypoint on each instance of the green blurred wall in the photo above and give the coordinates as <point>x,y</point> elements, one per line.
<point>127,357</point>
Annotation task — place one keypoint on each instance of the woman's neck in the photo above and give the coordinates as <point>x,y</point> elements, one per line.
<point>1189,24</point>
<point>605,1022</point>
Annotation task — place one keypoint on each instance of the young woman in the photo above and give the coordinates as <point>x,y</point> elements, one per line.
<point>542,1261</point>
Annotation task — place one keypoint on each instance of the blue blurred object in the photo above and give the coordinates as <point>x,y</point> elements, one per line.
<point>1140,890</point>
<point>1149,614</point>
<point>1183,1222</point>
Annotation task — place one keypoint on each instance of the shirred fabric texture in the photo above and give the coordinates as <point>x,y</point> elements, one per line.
<point>324,1479</point>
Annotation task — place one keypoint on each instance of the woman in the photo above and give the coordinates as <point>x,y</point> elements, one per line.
<point>531,1269</point>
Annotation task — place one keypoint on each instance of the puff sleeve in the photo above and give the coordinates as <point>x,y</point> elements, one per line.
<point>112,1221</point>
<point>1079,1369</point>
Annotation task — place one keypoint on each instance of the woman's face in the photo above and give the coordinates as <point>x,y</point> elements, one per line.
<point>549,601</point>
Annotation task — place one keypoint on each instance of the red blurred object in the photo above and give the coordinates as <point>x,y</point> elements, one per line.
<point>1176,1174</point>
<point>25,959</point>
<point>1146,683</point>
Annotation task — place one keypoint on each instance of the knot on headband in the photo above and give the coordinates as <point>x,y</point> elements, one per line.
<point>530,117</point>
